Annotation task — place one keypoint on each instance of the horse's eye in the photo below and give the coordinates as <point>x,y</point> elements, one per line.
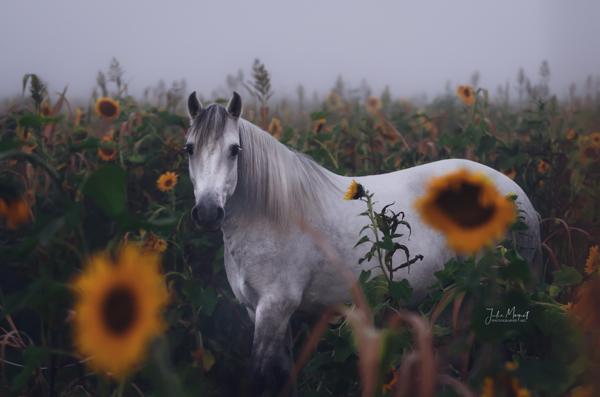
<point>189,148</point>
<point>235,150</point>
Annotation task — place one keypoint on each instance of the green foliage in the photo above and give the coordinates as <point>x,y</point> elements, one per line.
<point>81,204</point>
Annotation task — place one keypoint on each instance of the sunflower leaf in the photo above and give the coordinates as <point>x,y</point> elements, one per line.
<point>107,187</point>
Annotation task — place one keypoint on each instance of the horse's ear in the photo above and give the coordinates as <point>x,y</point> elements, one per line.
<point>234,107</point>
<point>194,105</point>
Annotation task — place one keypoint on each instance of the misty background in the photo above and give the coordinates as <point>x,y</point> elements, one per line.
<point>417,48</point>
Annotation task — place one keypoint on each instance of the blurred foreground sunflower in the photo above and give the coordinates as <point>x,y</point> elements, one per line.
<point>468,209</point>
<point>118,309</point>
<point>107,108</point>
<point>355,191</point>
<point>466,93</point>
<point>166,181</point>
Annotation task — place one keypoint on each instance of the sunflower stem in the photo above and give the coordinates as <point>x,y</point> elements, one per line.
<point>373,227</point>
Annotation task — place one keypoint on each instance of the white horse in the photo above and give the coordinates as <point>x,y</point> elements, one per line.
<point>256,190</point>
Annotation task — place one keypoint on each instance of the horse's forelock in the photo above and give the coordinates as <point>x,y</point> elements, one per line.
<point>209,124</point>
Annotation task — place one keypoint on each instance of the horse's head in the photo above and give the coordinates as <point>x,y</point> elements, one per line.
<point>213,146</point>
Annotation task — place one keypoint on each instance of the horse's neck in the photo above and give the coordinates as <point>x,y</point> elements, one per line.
<point>277,185</point>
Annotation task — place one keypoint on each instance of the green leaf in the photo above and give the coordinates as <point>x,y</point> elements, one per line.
<point>566,276</point>
<point>34,357</point>
<point>400,291</point>
<point>362,240</point>
<point>107,187</point>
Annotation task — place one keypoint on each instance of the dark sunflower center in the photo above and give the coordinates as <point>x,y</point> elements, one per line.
<point>168,182</point>
<point>466,92</point>
<point>107,109</point>
<point>462,206</point>
<point>119,310</point>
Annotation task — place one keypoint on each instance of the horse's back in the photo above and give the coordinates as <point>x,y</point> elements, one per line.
<point>405,186</point>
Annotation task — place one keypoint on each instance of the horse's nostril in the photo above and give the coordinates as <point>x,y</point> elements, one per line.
<point>220,214</point>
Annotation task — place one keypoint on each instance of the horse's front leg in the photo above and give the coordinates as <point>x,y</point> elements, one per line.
<point>271,350</point>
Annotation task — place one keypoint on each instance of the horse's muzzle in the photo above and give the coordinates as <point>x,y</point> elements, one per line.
<point>208,216</point>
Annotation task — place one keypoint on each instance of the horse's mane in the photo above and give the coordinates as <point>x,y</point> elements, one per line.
<point>276,182</point>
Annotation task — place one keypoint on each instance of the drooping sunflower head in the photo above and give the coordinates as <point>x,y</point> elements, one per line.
<point>466,93</point>
<point>107,108</point>
<point>118,309</point>
<point>355,191</point>
<point>107,150</point>
<point>166,181</point>
<point>275,128</point>
<point>467,209</point>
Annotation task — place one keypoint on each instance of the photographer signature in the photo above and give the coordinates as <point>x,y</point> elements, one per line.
<point>508,316</point>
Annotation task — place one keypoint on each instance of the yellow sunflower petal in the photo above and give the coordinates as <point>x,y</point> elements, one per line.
<point>467,209</point>
<point>118,310</point>
<point>107,108</point>
<point>167,181</point>
<point>354,192</point>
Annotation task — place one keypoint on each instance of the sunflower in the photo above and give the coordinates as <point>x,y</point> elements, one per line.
<point>511,366</point>
<point>588,152</point>
<point>275,128</point>
<point>118,309</point>
<point>373,105</point>
<point>393,376</point>
<point>166,181</point>
<point>595,139</point>
<point>107,108</point>
<point>593,260</point>
<point>468,209</point>
<point>543,167</point>
<point>107,150</point>
<point>488,387</point>
<point>466,93</point>
<point>355,191</point>
<point>15,212</point>
<point>154,243</point>
<point>519,391</point>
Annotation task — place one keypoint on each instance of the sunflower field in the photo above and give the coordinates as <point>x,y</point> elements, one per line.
<point>108,289</point>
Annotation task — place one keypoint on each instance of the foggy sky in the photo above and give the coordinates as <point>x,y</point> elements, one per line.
<point>415,47</point>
